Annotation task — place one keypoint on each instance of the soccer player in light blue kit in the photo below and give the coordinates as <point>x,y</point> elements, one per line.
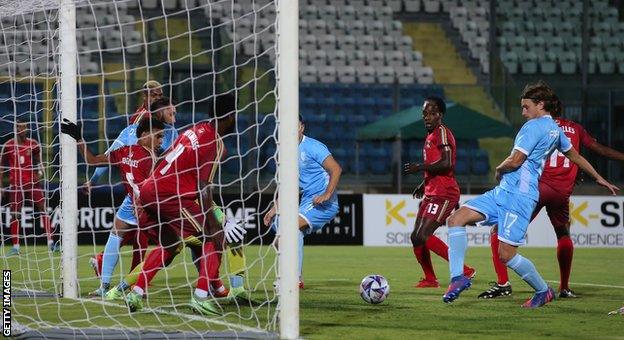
<point>511,203</point>
<point>319,174</point>
<point>164,110</point>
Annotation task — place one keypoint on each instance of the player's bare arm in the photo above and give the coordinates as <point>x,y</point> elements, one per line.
<point>442,165</point>
<point>511,163</point>
<point>579,160</point>
<point>419,191</point>
<point>334,170</point>
<point>606,151</point>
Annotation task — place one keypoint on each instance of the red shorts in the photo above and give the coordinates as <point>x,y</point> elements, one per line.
<point>169,221</point>
<point>557,206</point>
<point>436,208</point>
<point>30,191</point>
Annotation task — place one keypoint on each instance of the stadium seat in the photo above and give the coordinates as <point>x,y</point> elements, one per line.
<point>385,74</point>
<point>405,74</point>
<point>366,74</point>
<point>424,75</point>
<point>327,42</point>
<point>412,6</point>
<point>347,13</point>
<point>431,6</point>
<point>384,14</point>
<point>395,58</point>
<point>375,28</point>
<point>366,43</point>
<point>346,42</point>
<point>375,58</point>
<point>346,74</point>
<point>548,62</point>
<point>357,59</point>
<point>337,58</point>
<point>529,63</point>
<point>317,58</point>
<point>365,13</point>
<point>405,44</point>
<point>308,74</point>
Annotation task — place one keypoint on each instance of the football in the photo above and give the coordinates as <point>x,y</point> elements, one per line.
<point>374,289</point>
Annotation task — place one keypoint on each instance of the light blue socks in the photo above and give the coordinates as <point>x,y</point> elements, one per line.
<point>458,243</point>
<point>110,258</point>
<point>528,273</point>
<point>301,254</point>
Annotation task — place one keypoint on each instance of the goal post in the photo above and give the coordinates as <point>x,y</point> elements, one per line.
<point>69,198</point>
<point>288,171</point>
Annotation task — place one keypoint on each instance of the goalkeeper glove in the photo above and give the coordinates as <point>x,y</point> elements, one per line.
<point>72,129</point>
<point>234,231</point>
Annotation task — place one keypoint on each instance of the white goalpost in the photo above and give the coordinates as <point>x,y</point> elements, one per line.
<point>89,61</point>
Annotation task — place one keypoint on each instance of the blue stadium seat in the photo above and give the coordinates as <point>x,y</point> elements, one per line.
<point>461,162</point>
<point>480,164</point>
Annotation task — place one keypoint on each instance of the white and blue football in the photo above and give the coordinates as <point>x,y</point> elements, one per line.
<point>374,289</point>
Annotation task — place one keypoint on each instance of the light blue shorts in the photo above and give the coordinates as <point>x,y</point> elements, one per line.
<point>511,212</point>
<point>125,212</point>
<point>317,216</point>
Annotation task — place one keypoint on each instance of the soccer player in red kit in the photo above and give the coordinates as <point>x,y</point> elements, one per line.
<point>555,187</point>
<point>176,201</point>
<point>440,190</point>
<point>23,156</point>
<point>152,91</point>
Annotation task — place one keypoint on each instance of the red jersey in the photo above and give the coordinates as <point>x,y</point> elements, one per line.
<point>442,184</point>
<point>559,173</point>
<point>135,163</point>
<point>192,158</point>
<point>140,113</point>
<point>20,159</point>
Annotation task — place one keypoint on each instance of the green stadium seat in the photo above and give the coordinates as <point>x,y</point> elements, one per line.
<point>529,63</point>
<point>548,62</point>
<point>567,60</point>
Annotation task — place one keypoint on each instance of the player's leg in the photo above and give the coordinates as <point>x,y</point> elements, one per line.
<point>482,208</point>
<point>236,261</point>
<point>514,220</point>
<point>16,201</point>
<point>559,213</point>
<point>39,203</point>
<point>423,256</point>
<point>502,286</point>
<point>110,256</point>
<point>433,212</point>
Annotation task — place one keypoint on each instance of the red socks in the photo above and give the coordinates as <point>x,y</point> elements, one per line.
<point>47,226</point>
<point>155,260</point>
<point>499,266</point>
<point>210,262</point>
<point>15,228</point>
<point>139,246</point>
<point>424,258</point>
<point>565,251</point>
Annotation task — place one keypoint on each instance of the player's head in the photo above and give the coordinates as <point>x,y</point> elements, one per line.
<point>301,127</point>
<point>537,100</point>
<point>558,109</point>
<point>223,108</point>
<point>21,128</point>
<point>433,109</point>
<point>152,91</point>
<point>164,110</point>
<point>150,133</point>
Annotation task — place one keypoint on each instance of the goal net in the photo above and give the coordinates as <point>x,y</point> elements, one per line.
<point>129,53</point>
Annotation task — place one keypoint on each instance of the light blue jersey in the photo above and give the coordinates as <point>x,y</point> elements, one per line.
<point>313,179</point>
<point>537,139</point>
<point>128,137</point>
<point>511,204</point>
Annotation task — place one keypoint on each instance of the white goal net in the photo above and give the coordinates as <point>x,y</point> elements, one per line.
<point>131,55</point>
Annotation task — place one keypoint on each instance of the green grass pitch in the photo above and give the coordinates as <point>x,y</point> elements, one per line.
<point>331,306</point>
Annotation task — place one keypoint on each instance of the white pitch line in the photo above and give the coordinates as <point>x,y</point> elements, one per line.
<point>188,316</point>
<point>589,284</point>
